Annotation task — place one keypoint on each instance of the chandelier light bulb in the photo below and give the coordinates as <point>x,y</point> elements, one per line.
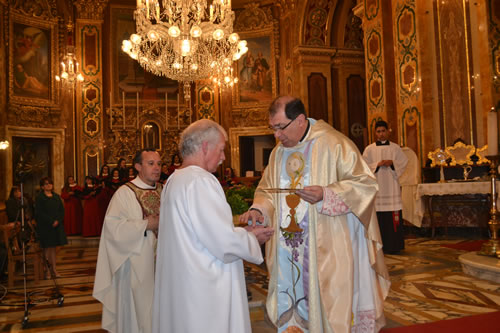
<point>158,62</point>
<point>194,67</point>
<point>177,65</point>
<point>173,31</point>
<point>185,47</point>
<point>153,35</point>
<point>126,46</point>
<point>64,75</point>
<point>243,50</point>
<point>135,38</point>
<point>218,34</point>
<point>79,77</point>
<point>4,145</point>
<point>227,79</point>
<point>235,80</point>
<point>236,56</point>
<point>195,31</point>
<point>133,55</point>
<point>58,78</point>
<point>233,38</point>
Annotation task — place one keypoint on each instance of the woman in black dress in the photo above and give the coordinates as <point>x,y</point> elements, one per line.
<point>49,215</point>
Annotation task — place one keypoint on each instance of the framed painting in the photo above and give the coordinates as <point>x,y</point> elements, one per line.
<point>33,58</point>
<point>127,75</point>
<point>256,70</point>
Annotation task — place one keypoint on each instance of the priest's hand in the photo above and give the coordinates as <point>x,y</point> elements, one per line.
<point>262,233</point>
<point>153,222</point>
<point>311,194</point>
<point>253,215</point>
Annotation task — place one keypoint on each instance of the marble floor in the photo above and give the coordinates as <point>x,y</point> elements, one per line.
<point>427,285</point>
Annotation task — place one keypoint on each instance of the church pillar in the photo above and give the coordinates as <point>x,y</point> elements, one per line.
<point>379,60</point>
<point>89,94</point>
<point>313,80</point>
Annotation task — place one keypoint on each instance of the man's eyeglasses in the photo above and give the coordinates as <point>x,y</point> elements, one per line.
<point>281,128</point>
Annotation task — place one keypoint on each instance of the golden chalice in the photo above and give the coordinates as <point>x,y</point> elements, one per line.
<point>293,200</point>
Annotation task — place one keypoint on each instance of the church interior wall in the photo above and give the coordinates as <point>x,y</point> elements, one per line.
<point>428,98</point>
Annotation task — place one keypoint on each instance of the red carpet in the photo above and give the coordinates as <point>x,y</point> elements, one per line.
<point>483,323</point>
<point>474,245</point>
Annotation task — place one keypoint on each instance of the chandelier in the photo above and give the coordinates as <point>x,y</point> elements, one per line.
<point>69,68</point>
<point>185,40</point>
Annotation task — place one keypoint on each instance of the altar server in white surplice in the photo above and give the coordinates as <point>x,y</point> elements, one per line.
<point>200,282</point>
<point>124,280</point>
<point>388,162</point>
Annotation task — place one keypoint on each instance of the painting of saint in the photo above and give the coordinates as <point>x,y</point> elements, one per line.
<point>255,73</point>
<point>31,61</point>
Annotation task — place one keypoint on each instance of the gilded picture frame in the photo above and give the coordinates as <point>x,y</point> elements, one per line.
<point>127,75</point>
<point>33,60</point>
<point>256,70</point>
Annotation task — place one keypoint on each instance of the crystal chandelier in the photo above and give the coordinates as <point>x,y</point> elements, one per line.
<point>185,40</point>
<point>69,68</point>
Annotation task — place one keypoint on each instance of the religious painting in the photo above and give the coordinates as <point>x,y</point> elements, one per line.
<point>32,54</point>
<point>256,70</point>
<point>128,77</point>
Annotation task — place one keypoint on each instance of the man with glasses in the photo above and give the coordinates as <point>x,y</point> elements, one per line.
<point>327,271</point>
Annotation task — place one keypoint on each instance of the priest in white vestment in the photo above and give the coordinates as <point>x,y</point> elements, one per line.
<point>200,281</point>
<point>124,280</point>
<point>388,162</point>
<point>327,271</point>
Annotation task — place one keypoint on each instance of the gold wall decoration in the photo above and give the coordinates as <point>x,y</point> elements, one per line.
<point>90,9</point>
<point>33,116</point>
<point>35,8</point>
<point>250,116</point>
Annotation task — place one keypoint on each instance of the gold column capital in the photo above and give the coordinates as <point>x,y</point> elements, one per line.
<point>90,9</point>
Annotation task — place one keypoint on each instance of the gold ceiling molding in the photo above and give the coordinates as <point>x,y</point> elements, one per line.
<point>253,18</point>
<point>35,8</point>
<point>90,9</point>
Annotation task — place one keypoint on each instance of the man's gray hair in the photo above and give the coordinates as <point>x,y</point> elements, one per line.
<point>198,132</point>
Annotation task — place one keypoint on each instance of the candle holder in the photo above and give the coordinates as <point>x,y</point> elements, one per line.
<point>492,246</point>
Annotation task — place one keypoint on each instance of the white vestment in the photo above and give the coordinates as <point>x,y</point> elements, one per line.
<point>124,279</point>
<point>199,266</point>
<point>389,195</point>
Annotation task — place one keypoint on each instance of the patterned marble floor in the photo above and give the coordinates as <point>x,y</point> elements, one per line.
<point>427,285</point>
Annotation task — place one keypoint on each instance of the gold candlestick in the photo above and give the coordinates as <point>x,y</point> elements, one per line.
<point>492,246</point>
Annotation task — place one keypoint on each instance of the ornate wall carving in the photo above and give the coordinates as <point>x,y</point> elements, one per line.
<point>407,72</point>
<point>371,15</point>
<point>315,29</point>
<point>90,9</point>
